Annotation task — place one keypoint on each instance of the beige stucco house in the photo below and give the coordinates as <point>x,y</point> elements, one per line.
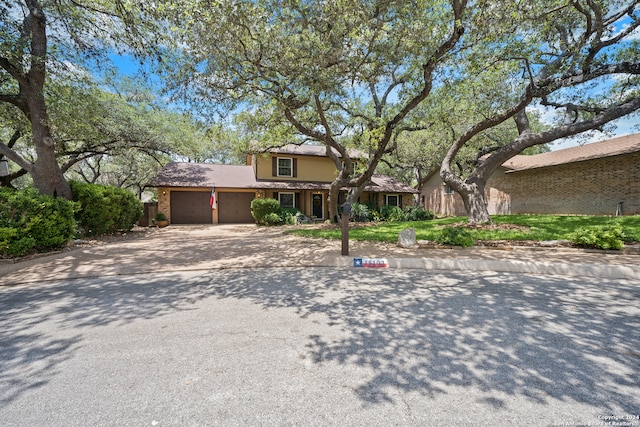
<point>297,176</point>
<point>601,178</point>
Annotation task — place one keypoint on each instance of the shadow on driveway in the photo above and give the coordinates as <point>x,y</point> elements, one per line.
<point>545,338</point>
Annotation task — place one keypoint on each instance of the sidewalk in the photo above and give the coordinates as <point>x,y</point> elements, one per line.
<point>190,248</point>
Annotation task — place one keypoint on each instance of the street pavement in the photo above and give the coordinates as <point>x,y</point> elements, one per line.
<point>199,327</point>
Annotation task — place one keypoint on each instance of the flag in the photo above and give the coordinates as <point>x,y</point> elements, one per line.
<point>212,199</point>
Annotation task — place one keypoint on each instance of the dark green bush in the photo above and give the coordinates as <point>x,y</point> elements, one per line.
<point>105,209</point>
<point>260,208</point>
<point>360,212</point>
<point>604,237</point>
<point>272,218</point>
<point>392,213</point>
<point>288,215</point>
<point>455,236</point>
<point>418,213</point>
<point>29,221</point>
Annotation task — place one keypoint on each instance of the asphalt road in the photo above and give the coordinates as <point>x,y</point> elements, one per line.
<point>321,346</point>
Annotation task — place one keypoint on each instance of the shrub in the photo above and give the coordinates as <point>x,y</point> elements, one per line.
<point>105,209</point>
<point>418,213</point>
<point>604,237</point>
<point>29,221</point>
<point>455,236</point>
<point>288,215</point>
<point>260,208</point>
<point>272,218</point>
<point>392,214</point>
<point>360,212</point>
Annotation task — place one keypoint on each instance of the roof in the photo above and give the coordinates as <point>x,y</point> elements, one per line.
<point>178,174</point>
<point>595,150</point>
<point>314,150</point>
<point>384,183</point>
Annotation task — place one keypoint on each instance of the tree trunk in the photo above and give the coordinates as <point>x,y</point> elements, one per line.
<point>475,204</point>
<point>334,192</point>
<point>47,176</point>
<point>46,173</point>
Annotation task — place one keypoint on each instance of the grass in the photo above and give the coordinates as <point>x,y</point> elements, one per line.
<point>507,227</point>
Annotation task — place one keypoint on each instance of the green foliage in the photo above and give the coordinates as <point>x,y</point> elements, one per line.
<point>603,237</point>
<point>268,212</point>
<point>260,208</point>
<point>288,215</point>
<point>516,227</point>
<point>360,212</point>
<point>455,236</point>
<point>104,209</point>
<point>160,217</point>
<point>392,214</point>
<point>272,218</point>
<point>29,221</point>
<point>418,213</point>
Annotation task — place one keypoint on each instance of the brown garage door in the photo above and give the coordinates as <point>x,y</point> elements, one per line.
<point>190,207</point>
<point>235,208</point>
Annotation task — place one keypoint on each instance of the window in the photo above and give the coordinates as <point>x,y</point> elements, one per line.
<point>392,200</point>
<point>448,190</point>
<point>285,166</point>
<point>287,200</point>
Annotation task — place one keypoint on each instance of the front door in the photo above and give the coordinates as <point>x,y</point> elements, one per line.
<point>317,202</point>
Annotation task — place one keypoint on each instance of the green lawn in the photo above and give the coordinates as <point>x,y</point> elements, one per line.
<point>507,227</point>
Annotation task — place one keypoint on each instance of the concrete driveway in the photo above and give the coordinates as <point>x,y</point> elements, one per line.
<point>193,248</point>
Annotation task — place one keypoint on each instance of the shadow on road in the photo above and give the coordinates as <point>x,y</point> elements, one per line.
<point>420,332</point>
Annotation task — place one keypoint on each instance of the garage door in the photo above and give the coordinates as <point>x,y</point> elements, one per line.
<point>235,208</point>
<point>190,207</point>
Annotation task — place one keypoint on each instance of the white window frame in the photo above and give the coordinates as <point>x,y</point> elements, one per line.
<point>293,199</point>
<point>290,175</point>
<point>448,189</point>
<point>386,199</point>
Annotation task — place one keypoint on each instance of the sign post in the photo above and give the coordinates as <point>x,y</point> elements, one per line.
<point>346,213</point>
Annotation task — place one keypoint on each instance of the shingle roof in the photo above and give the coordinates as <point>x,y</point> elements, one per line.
<point>611,147</point>
<point>386,184</point>
<point>178,174</point>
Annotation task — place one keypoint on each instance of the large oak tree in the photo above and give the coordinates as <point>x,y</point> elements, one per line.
<point>578,57</point>
<point>40,37</point>
<point>342,73</point>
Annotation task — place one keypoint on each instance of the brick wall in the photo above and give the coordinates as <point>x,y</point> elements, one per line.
<point>591,187</point>
<point>164,198</point>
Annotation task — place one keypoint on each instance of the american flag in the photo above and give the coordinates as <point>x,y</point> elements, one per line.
<point>212,199</point>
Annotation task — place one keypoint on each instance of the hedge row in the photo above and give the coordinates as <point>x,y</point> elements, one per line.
<point>30,222</point>
<point>104,209</point>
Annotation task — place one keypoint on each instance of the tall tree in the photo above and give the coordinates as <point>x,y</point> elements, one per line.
<point>343,73</point>
<point>578,57</point>
<point>41,36</point>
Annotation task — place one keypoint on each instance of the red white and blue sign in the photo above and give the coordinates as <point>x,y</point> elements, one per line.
<point>370,262</point>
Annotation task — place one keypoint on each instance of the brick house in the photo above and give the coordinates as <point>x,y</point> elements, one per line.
<point>600,178</point>
<point>297,176</point>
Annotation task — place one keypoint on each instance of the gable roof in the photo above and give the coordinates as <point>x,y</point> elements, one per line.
<point>179,174</point>
<point>595,150</point>
<point>386,184</point>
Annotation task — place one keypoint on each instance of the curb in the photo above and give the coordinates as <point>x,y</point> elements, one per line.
<point>509,266</point>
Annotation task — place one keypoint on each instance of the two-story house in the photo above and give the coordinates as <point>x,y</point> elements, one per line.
<point>296,176</point>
